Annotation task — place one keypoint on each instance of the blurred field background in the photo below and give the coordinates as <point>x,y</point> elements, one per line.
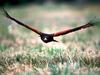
<point>23,53</point>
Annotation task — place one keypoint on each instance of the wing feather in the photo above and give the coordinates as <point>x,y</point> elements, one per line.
<point>73,30</point>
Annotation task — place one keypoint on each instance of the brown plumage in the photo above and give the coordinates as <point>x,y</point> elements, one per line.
<point>48,37</point>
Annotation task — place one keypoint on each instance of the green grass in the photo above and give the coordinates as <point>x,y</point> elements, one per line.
<point>50,60</point>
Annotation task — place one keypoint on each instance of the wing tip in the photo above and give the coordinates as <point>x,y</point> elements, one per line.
<point>5,13</point>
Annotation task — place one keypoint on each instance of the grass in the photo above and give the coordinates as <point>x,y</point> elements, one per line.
<point>75,54</point>
<point>54,62</point>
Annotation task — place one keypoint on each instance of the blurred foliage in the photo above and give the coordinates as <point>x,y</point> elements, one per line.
<point>4,32</point>
<point>3,47</point>
<point>21,2</point>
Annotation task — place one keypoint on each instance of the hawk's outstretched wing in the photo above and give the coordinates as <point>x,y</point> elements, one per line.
<point>73,30</point>
<point>20,23</point>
